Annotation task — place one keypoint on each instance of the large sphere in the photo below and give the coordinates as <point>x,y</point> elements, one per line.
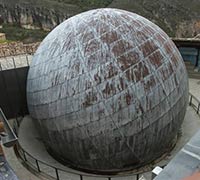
<point>108,90</point>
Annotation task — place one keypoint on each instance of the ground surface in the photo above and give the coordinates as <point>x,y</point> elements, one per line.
<point>21,172</point>
<point>6,173</point>
<point>194,85</point>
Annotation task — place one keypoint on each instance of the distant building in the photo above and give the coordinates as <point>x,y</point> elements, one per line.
<point>189,49</point>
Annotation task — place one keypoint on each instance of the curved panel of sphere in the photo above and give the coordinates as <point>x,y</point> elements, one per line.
<point>108,90</point>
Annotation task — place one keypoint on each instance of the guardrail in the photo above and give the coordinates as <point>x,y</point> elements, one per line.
<point>58,173</point>
<point>194,102</point>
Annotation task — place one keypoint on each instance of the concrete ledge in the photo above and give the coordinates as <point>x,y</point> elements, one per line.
<point>12,62</point>
<point>185,163</point>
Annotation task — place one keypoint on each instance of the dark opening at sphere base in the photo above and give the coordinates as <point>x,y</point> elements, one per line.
<point>108,91</point>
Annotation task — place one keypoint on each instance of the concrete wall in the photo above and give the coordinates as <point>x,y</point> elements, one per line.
<point>190,54</point>
<point>13,91</point>
<point>14,64</point>
<point>17,61</point>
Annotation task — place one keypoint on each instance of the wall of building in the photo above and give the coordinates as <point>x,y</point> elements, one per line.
<point>13,92</point>
<point>189,54</point>
<point>14,64</point>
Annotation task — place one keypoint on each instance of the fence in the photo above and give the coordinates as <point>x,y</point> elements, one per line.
<point>58,173</point>
<point>194,102</point>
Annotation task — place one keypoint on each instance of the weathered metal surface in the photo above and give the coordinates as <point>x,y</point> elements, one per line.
<point>108,90</point>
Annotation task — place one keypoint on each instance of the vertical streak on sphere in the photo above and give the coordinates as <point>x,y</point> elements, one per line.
<point>108,90</point>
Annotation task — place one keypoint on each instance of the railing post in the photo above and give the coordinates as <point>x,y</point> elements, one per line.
<point>17,122</point>
<point>24,155</point>
<point>14,62</point>
<point>81,177</point>
<point>198,108</point>
<point>38,167</point>
<point>137,177</point>
<point>27,60</point>
<point>109,178</point>
<point>57,175</point>
<point>190,103</point>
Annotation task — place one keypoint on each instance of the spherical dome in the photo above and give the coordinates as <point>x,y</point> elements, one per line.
<point>108,90</point>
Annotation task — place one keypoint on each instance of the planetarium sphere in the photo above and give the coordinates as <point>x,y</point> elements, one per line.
<point>107,90</point>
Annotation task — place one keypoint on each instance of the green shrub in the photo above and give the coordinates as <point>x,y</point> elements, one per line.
<point>16,33</point>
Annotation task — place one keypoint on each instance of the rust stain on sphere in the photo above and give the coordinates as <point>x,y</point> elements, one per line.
<point>108,90</point>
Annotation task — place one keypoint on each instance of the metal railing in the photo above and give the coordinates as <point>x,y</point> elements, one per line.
<point>194,102</point>
<point>58,173</point>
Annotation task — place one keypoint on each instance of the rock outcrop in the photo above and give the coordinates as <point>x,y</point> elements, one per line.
<point>32,17</point>
<point>177,18</point>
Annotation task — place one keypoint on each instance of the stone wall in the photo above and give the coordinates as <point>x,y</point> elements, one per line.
<point>17,48</point>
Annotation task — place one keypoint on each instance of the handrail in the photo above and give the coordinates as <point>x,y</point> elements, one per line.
<point>81,175</point>
<point>10,139</point>
<point>196,104</point>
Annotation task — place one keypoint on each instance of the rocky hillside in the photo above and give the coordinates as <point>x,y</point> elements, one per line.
<point>45,14</point>
<point>177,18</point>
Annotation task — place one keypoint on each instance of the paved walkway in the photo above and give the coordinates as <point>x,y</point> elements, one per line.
<point>21,172</point>
<point>194,85</point>
<point>31,142</point>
